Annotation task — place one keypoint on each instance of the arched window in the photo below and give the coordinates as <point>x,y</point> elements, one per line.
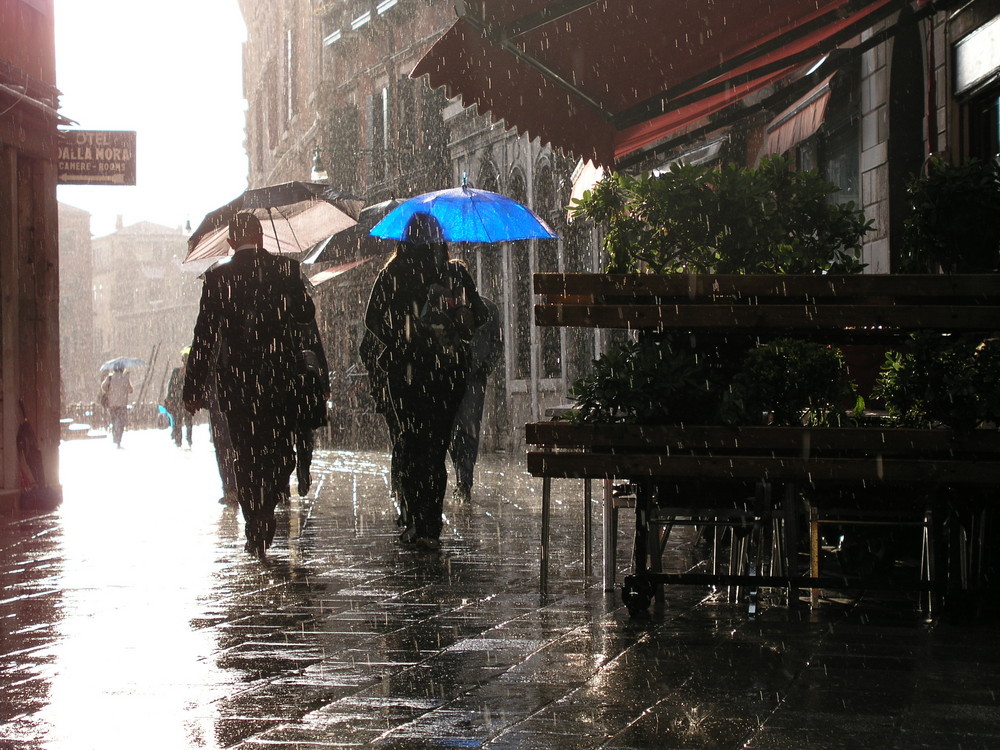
<point>521,288</point>
<point>490,256</point>
<point>547,254</point>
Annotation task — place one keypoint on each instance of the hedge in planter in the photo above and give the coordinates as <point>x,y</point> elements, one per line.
<point>726,219</point>
<point>664,379</point>
<point>656,379</point>
<point>943,380</point>
<point>954,220</point>
<point>792,382</point>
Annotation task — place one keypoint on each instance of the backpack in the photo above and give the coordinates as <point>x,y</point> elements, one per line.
<point>448,314</point>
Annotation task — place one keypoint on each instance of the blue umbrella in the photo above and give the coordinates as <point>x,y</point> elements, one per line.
<point>122,363</point>
<point>467,215</point>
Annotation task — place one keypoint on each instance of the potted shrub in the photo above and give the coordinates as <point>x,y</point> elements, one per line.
<point>725,219</point>
<point>943,380</point>
<point>954,224</point>
<point>791,382</point>
<point>655,379</point>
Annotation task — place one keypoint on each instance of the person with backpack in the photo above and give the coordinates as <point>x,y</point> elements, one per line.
<point>485,352</point>
<point>422,312</point>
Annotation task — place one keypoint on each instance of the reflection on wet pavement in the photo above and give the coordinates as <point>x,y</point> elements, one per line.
<point>132,618</point>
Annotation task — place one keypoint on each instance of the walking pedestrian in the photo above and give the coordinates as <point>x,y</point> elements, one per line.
<point>115,392</point>
<point>182,421</point>
<point>219,430</point>
<point>485,352</point>
<point>422,310</point>
<point>251,308</point>
<point>370,351</point>
<point>313,385</point>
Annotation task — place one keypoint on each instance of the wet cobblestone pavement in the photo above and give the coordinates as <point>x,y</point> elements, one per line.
<point>132,618</point>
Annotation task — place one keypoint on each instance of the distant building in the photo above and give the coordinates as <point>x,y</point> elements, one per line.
<point>79,359</point>
<point>145,301</point>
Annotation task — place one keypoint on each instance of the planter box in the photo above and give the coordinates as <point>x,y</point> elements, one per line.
<point>855,307</point>
<point>868,456</point>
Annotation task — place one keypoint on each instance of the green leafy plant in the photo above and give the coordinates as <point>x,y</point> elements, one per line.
<point>652,380</point>
<point>725,219</point>
<point>792,382</point>
<point>954,222</point>
<point>942,379</point>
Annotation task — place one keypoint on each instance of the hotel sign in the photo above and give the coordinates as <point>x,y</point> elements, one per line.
<point>96,157</point>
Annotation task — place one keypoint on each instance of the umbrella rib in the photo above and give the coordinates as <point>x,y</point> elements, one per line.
<point>274,228</point>
<point>288,223</point>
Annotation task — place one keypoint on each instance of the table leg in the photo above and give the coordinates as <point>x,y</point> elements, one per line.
<point>588,565</point>
<point>543,574</point>
<point>610,517</point>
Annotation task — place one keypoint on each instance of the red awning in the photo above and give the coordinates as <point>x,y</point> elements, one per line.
<point>601,83</point>
<point>799,121</point>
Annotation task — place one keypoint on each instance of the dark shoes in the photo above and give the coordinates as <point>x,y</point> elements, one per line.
<point>257,549</point>
<point>422,543</point>
<point>409,535</point>
<point>305,482</point>
<point>429,544</point>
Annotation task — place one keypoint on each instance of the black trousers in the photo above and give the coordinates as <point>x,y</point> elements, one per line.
<point>424,412</point>
<point>261,434</point>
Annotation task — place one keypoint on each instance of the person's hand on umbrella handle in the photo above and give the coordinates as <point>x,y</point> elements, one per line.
<point>193,406</point>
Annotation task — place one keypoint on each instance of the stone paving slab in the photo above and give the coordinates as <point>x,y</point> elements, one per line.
<point>131,618</point>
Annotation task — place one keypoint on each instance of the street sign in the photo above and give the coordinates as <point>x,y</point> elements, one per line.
<point>96,157</point>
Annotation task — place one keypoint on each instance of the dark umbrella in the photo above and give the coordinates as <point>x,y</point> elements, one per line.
<point>467,215</point>
<point>294,216</point>
<point>122,363</point>
<point>335,271</point>
<point>354,241</point>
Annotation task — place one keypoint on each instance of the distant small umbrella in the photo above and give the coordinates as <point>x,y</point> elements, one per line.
<point>122,363</point>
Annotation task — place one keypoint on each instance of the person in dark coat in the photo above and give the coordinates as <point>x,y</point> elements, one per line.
<point>422,311</point>
<point>370,351</point>
<point>314,391</point>
<point>183,420</point>
<point>485,353</point>
<point>252,309</point>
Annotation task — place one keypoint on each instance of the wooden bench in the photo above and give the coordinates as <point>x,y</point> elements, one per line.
<point>875,310</point>
<point>804,464</point>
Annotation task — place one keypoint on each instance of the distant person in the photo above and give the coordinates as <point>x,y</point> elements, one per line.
<point>219,430</point>
<point>115,391</point>
<point>182,421</point>
<point>370,351</point>
<point>313,392</point>
<point>250,312</point>
<point>484,353</point>
<point>422,311</point>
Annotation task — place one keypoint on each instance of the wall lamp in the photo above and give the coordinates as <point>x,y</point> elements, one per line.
<point>318,172</point>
